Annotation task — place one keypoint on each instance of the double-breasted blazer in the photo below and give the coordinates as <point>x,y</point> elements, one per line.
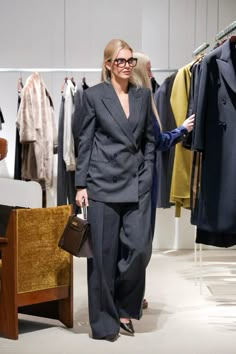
<point>215,136</point>
<point>115,154</point>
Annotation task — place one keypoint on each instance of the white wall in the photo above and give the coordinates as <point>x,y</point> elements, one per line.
<point>73,33</point>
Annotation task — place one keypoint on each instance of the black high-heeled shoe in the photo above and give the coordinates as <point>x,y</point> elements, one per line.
<point>128,327</point>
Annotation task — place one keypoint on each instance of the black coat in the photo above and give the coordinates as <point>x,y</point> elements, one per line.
<point>215,136</point>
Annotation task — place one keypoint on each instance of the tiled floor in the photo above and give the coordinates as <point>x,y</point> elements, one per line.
<point>184,316</point>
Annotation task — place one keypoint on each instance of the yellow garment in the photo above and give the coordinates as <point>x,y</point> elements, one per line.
<point>180,183</point>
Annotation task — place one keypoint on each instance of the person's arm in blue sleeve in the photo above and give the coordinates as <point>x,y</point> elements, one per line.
<point>166,140</point>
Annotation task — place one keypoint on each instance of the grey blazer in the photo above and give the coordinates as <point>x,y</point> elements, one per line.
<point>115,154</point>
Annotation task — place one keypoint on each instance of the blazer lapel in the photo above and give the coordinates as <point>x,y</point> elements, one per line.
<point>113,105</point>
<point>226,66</point>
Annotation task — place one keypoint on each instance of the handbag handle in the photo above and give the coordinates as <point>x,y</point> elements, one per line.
<point>84,212</point>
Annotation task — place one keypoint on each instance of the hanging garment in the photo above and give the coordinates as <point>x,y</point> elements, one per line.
<point>77,116</point>
<point>163,142</point>
<point>18,145</point>
<point>180,182</point>
<point>192,99</point>
<point>66,190</point>
<point>68,140</point>
<point>214,136</point>
<point>187,142</point>
<point>37,132</point>
<point>164,159</point>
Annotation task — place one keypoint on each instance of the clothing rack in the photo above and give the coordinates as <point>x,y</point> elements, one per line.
<point>58,70</point>
<point>200,49</point>
<point>229,29</point>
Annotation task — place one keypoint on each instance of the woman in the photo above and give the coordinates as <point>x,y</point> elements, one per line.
<point>114,178</point>
<point>142,77</point>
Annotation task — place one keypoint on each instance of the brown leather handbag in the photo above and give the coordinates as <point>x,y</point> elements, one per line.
<point>3,148</point>
<point>75,238</point>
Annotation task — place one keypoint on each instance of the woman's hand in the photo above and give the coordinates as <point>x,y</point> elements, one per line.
<point>189,123</point>
<point>81,198</point>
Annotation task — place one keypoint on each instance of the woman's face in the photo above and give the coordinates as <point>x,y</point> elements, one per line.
<point>121,67</point>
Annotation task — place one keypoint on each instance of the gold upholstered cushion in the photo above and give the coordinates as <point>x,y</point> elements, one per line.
<point>41,263</point>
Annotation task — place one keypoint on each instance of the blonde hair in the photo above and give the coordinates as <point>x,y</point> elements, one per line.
<point>110,52</point>
<point>141,78</point>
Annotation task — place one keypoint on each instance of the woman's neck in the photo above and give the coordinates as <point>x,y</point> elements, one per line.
<point>120,86</point>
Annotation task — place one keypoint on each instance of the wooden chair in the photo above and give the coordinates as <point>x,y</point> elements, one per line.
<point>36,276</point>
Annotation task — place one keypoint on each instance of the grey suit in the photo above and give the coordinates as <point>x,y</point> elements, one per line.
<point>115,164</point>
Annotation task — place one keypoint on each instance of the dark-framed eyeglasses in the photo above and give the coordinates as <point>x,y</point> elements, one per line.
<point>121,62</point>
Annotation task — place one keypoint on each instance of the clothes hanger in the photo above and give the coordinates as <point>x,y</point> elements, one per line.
<point>63,84</point>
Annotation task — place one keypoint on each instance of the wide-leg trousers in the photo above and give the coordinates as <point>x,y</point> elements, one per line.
<point>122,245</point>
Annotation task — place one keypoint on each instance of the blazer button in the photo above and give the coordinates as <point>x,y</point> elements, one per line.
<point>115,156</point>
<point>114,179</point>
<point>223,100</point>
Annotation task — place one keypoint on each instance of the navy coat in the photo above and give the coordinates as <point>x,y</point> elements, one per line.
<point>215,136</point>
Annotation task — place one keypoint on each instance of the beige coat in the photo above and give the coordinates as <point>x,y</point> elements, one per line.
<point>37,131</point>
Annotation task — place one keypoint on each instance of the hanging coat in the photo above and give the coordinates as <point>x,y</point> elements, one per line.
<point>37,132</point>
<point>180,182</point>
<point>214,136</point>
